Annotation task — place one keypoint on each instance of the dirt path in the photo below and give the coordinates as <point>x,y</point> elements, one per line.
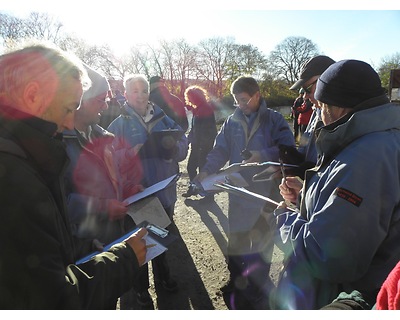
<point>197,258</point>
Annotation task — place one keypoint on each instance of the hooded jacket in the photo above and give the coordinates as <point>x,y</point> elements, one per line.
<point>346,236</point>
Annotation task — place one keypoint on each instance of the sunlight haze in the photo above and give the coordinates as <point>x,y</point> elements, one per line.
<point>368,35</point>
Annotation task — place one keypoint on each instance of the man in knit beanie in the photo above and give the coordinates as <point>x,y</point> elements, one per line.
<point>103,183</point>
<point>99,87</point>
<point>345,235</point>
<point>350,84</point>
<point>96,179</point>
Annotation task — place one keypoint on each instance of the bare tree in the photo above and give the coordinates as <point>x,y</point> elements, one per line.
<point>214,62</point>
<point>285,61</point>
<point>185,63</point>
<point>213,59</point>
<point>38,26</point>
<point>156,64</point>
<point>167,64</point>
<point>120,67</point>
<point>11,29</point>
<point>177,64</point>
<point>43,26</point>
<point>140,56</point>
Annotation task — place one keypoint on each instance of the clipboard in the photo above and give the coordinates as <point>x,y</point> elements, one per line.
<point>209,183</point>
<point>153,189</point>
<point>158,239</point>
<point>149,209</point>
<point>272,170</point>
<point>159,144</point>
<point>235,174</point>
<point>240,191</point>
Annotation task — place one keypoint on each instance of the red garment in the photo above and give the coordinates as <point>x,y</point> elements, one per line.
<point>305,111</point>
<point>389,295</point>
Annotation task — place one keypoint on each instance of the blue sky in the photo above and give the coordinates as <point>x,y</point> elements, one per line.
<point>368,34</point>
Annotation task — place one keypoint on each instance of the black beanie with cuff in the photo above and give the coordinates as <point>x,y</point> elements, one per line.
<point>348,83</point>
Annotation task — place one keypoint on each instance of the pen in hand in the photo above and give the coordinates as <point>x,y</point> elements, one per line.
<point>150,245</point>
<point>283,171</point>
<point>288,203</point>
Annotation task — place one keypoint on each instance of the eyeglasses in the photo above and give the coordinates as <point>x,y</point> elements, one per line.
<point>241,101</point>
<point>308,89</point>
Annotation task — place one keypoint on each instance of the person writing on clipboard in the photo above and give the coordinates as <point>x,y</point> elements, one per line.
<point>252,133</point>
<point>344,237</point>
<point>38,254</point>
<point>138,120</point>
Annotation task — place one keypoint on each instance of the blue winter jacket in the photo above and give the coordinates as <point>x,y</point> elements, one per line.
<point>130,126</point>
<point>268,130</point>
<point>347,235</point>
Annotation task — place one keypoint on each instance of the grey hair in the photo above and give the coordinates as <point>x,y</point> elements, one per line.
<point>131,78</point>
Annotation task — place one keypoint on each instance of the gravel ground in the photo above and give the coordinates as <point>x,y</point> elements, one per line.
<point>197,258</point>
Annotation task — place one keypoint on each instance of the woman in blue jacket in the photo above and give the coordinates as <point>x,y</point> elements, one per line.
<point>138,119</point>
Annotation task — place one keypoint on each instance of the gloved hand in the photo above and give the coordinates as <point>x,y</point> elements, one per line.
<point>289,154</point>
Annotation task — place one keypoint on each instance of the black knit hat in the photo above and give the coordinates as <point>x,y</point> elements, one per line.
<point>347,83</point>
<point>311,68</point>
<point>156,79</point>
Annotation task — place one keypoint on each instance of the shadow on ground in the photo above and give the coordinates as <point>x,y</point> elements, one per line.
<point>207,208</point>
<point>192,294</point>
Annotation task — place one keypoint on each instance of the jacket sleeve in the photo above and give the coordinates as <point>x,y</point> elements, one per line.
<point>38,250</point>
<point>105,277</point>
<point>182,145</point>
<point>182,149</point>
<point>279,131</point>
<point>344,207</point>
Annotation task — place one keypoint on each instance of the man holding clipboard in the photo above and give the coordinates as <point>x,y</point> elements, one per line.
<point>138,125</point>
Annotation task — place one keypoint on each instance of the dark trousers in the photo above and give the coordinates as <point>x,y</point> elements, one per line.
<point>302,128</point>
<point>197,159</point>
<point>159,265</point>
<point>160,272</point>
<point>249,261</point>
<point>296,127</point>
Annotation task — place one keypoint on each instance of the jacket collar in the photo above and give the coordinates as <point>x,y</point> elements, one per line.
<point>333,138</point>
<point>36,137</point>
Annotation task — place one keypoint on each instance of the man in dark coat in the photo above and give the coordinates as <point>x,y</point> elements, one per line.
<point>40,89</point>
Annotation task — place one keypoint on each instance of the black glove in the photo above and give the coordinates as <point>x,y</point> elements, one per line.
<point>291,155</point>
